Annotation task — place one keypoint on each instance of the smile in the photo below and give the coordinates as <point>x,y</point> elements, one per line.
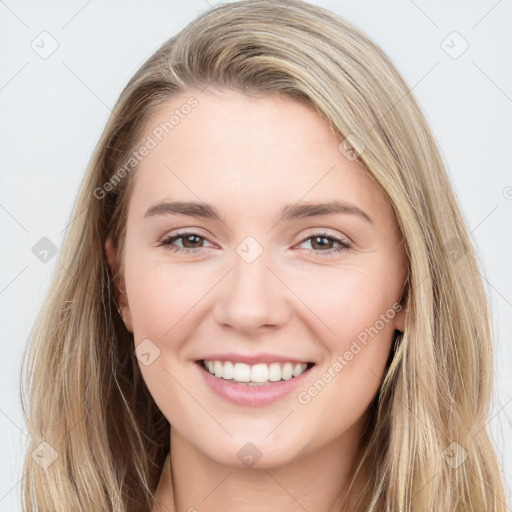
<point>257,374</point>
<point>256,384</point>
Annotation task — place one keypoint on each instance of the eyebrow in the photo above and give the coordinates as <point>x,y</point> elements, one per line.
<point>289,212</point>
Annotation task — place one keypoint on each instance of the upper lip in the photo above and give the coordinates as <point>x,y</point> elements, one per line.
<point>252,359</point>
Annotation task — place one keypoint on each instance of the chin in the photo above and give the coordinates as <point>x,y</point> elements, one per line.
<point>254,452</point>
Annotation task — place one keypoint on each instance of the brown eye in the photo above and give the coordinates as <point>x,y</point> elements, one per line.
<point>321,244</point>
<point>190,241</point>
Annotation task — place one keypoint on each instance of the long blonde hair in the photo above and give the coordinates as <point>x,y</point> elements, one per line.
<point>92,420</point>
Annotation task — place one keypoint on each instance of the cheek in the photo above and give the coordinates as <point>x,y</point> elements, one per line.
<point>352,304</point>
<point>162,299</point>
<point>358,310</point>
<point>160,295</point>
<point>168,303</point>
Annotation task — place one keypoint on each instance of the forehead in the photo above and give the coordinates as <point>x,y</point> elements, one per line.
<point>234,150</point>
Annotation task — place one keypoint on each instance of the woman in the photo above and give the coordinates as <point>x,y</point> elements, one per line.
<point>197,355</point>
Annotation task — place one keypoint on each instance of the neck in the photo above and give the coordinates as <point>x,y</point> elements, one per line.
<point>316,481</point>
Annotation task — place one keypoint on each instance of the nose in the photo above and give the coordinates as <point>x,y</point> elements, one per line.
<point>252,297</point>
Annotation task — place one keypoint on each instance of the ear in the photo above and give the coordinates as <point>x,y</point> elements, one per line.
<point>119,285</point>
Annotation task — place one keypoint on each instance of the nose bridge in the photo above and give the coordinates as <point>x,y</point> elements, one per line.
<point>252,296</point>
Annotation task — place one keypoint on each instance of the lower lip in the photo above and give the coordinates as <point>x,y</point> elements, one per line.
<point>242,394</point>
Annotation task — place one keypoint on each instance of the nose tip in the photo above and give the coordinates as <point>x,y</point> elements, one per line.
<point>251,298</point>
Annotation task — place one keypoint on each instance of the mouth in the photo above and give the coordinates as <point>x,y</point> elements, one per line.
<point>260,374</point>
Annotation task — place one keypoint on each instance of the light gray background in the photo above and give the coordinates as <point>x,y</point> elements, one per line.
<point>53,110</point>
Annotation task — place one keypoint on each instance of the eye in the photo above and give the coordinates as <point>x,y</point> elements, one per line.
<point>193,240</point>
<point>323,240</point>
<point>319,242</point>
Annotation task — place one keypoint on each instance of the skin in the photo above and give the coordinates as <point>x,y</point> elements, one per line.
<point>249,157</point>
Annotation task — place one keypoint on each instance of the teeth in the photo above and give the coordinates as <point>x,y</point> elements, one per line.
<point>287,371</point>
<point>297,370</point>
<point>217,368</point>
<point>274,372</point>
<point>259,373</point>
<point>242,372</point>
<point>256,374</point>
<point>228,370</point>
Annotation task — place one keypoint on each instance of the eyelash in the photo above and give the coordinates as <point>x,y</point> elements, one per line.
<point>344,245</point>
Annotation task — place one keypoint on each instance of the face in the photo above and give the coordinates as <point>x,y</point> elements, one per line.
<point>255,289</point>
